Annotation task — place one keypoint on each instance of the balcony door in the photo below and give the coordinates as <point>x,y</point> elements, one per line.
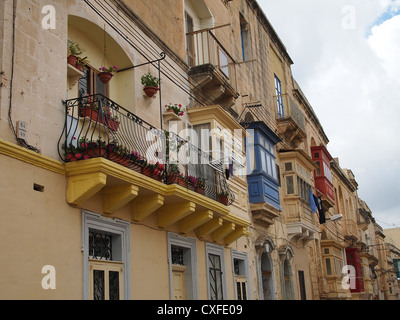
<point>189,39</point>
<point>197,17</point>
<point>90,83</point>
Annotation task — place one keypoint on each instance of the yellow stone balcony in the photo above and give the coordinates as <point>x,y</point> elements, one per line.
<point>172,204</point>
<point>111,153</point>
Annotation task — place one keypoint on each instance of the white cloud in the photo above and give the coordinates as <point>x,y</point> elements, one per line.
<point>385,41</point>
<point>351,76</point>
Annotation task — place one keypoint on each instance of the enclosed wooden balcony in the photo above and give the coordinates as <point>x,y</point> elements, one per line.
<point>323,175</point>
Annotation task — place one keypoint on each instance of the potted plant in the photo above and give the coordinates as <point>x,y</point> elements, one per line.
<point>223,197</point>
<point>74,51</point>
<point>106,74</point>
<point>89,108</point>
<point>84,150</point>
<point>110,120</point>
<point>81,62</point>
<point>173,172</point>
<point>176,108</point>
<point>200,185</point>
<point>118,154</point>
<point>137,161</point>
<point>182,180</point>
<point>191,182</point>
<point>153,170</point>
<point>95,149</point>
<point>150,83</point>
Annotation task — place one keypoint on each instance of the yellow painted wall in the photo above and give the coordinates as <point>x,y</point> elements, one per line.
<point>37,229</point>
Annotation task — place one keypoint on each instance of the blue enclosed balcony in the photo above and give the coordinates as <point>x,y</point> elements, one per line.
<point>263,173</point>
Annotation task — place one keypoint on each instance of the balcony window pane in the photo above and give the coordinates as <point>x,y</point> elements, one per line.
<point>328,266</point>
<point>269,166</point>
<point>288,166</point>
<point>263,162</point>
<point>279,100</point>
<point>289,185</point>
<point>223,63</point>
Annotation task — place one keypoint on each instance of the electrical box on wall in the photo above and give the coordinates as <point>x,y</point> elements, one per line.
<point>21,130</point>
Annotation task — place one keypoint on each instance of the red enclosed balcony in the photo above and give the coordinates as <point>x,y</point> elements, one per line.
<point>323,175</point>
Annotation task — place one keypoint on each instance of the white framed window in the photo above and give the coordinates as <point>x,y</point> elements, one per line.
<point>240,267</point>
<point>106,258</point>
<point>182,258</point>
<point>223,62</point>
<point>215,272</point>
<point>279,99</point>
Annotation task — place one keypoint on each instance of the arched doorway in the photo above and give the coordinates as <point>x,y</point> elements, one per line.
<point>92,38</point>
<point>286,274</point>
<point>267,277</point>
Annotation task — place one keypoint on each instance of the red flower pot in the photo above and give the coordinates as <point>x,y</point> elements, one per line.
<point>88,111</point>
<point>223,199</point>
<point>72,60</point>
<point>135,167</point>
<point>105,77</point>
<point>111,124</point>
<point>154,174</point>
<point>199,190</point>
<point>95,152</point>
<point>150,91</point>
<point>118,158</point>
<point>182,182</point>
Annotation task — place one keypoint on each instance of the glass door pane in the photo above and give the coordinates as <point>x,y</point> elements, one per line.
<point>98,285</point>
<point>113,285</point>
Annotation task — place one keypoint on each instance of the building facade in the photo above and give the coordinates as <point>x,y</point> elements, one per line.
<point>218,186</point>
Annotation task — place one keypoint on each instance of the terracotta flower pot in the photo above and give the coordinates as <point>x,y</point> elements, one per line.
<point>118,158</point>
<point>72,60</point>
<point>111,124</point>
<point>105,77</point>
<point>150,91</point>
<point>199,190</point>
<point>88,111</point>
<point>154,174</point>
<point>95,152</point>
<point>223,199</point>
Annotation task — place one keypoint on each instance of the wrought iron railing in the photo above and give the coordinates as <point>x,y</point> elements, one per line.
<point>203,48</point>
<point>96,126</point>
<point>294,112</point>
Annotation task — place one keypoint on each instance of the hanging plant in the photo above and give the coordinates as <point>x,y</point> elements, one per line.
<point>106,74</point>
<point>151,84</point>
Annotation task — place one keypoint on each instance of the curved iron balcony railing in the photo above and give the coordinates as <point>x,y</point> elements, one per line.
<point>96,126</point>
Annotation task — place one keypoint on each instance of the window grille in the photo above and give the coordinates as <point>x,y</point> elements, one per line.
<point>100,246</point>
<point>215,272</point>
<point>177,256</point>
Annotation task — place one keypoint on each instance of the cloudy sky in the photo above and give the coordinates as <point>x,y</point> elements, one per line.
<point>346,57</point>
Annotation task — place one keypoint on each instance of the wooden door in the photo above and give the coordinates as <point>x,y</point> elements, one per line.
<point>179,282</point>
